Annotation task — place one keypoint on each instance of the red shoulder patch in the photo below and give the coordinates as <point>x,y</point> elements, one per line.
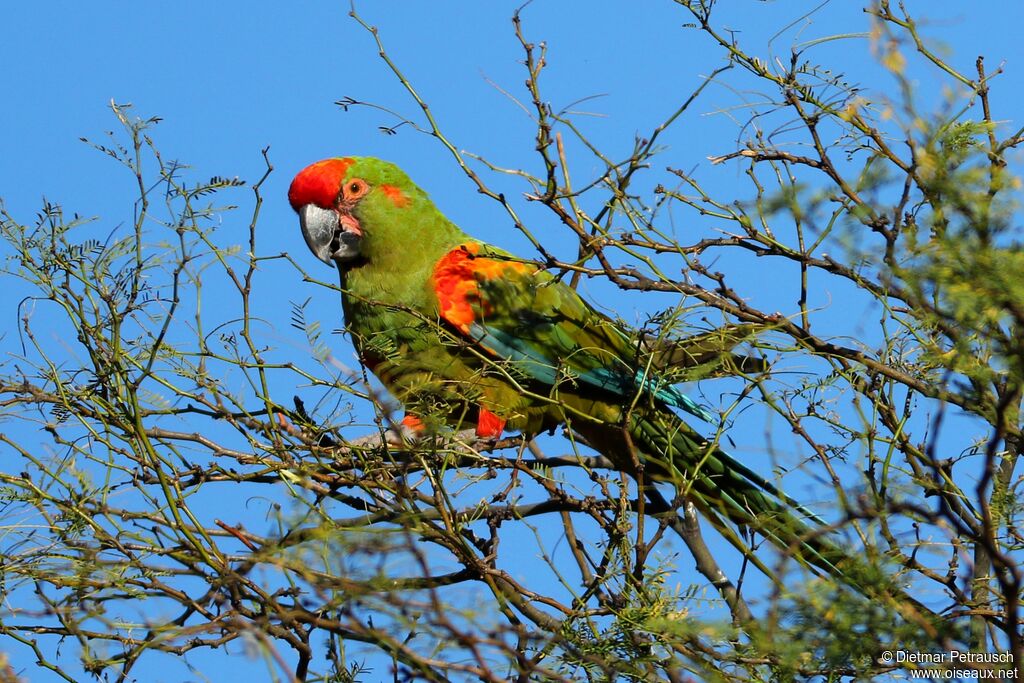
<point>395,194</point>
<point>456,281</point>
<point>319,183</point>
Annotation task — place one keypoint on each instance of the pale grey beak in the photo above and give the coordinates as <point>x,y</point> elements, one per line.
<point>328,236</point>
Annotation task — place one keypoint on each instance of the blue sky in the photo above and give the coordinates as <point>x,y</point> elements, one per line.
<point>230,78</point>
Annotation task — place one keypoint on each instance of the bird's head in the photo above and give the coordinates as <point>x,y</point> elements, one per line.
<point>351,206</point>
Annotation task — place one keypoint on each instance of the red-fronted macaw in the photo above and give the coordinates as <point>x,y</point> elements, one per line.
<point>463,333</point>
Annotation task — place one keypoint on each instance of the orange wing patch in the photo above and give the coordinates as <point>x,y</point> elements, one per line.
<point>457,278</point>
<point>395,194</point>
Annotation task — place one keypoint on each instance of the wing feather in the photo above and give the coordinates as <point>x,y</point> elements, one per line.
<point>521,314</point>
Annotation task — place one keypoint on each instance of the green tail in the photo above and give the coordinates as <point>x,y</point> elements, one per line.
<point>730,494</point>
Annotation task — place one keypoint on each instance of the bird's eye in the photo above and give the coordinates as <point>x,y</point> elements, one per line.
<point>355,189</point>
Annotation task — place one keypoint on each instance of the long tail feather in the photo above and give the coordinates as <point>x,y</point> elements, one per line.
<point>730,494</point>
<point>725,489</point>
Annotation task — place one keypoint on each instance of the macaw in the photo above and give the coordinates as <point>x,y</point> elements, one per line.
<point>464,333</point>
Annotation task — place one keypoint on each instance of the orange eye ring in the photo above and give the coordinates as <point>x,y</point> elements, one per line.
<point>354,189</point>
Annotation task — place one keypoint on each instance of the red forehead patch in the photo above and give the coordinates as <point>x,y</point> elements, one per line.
<point>319,183</point>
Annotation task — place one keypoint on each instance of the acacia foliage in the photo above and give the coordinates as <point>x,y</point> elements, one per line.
<point>176,481</point>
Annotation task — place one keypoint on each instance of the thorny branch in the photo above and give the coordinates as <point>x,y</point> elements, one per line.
<point>459,558</point>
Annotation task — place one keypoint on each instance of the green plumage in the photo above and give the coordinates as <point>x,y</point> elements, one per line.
<point>452,326</point>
